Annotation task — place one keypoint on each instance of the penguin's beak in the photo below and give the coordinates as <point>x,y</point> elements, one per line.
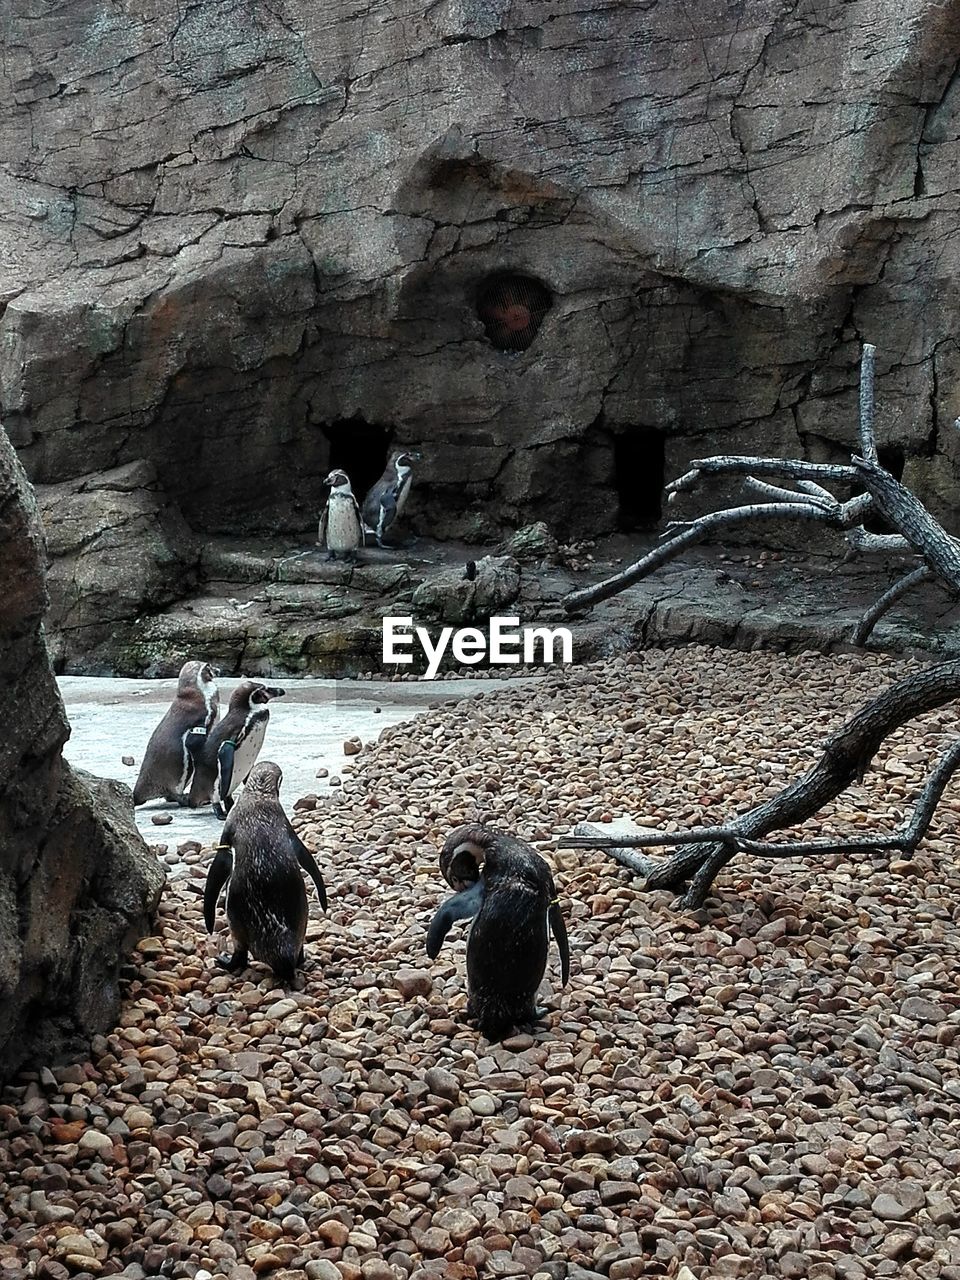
<point>274,693</point>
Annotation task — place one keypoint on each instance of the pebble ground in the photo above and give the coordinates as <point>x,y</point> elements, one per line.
<point>767,1087</point>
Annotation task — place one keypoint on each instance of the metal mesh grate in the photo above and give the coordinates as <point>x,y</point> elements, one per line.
<point>512,309</point>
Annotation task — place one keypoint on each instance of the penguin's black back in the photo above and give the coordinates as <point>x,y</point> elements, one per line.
<point>507,947</point>
<point>266,896</point>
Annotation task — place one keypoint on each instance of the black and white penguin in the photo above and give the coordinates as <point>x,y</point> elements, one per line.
<point>508,890</point>
<point>224,757</point>
<point>384,504</point>
<point>167,762</point>
<point>260,858</point>
<point>341,526</point>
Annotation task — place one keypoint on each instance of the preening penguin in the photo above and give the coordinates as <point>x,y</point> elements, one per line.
<point>384,504</point>
<point>224,757</point>
<point>341,526</point>
<point>167,762</point>
<point>508,889</point>
<point>260,858</point>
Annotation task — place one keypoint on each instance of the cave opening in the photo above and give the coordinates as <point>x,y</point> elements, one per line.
<point>359,448</point>
<point>638,462</point>
<point>892,459</point>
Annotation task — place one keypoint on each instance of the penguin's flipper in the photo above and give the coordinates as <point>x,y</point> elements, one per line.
<point>225,757</point>
<point>555,916</point>
<point>193,741</point>
<point>309,865</point>
<point>217,877</point>
<point>359,514</point>
<point>322,530</point>
<point>462,906</point>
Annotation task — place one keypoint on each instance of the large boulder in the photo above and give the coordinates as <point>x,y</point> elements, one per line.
<point>244,241</point>
<point>78,885</point>
<point>118,548</point>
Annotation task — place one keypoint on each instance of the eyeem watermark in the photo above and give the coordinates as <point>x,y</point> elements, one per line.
<point>505,643</point>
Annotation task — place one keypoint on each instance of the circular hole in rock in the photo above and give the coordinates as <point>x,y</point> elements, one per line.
<point>512,308</point>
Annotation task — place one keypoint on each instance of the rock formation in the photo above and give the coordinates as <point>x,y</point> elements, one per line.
<point>562,250</point>
<point>243,239</point>
<point>77,883</point>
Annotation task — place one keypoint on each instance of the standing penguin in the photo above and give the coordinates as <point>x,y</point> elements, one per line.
<point>509,890</point>
<point>260,858</point>
<point>167,761</point>
<point>384,504</point>
<point>341,526</point>
<point>224,757</point>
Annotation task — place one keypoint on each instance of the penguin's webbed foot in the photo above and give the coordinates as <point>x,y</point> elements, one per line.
<point>222,807</point>
<point>232,963</point>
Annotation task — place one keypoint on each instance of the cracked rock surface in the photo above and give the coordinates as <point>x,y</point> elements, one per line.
<point>77,883</point>
<point>767,1087</point>
<point>237,234</point>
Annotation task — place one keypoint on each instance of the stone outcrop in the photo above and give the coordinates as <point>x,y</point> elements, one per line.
<point>77,883</point>
<point>244,240</point>
<point>117,549</point>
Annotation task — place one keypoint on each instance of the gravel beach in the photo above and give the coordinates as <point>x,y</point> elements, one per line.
<point>767,1087</point>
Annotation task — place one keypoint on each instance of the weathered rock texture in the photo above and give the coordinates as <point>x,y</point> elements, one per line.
<point>240,236</point>
<point>117,549</point>
<point>78,886</point>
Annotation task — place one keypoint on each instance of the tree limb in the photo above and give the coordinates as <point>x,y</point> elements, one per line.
<point>685,534</point>
<point>846,756</point>
<point>908,514</point>
<point>794,468</point>
<point>887,601</point>
<point>868,443</point>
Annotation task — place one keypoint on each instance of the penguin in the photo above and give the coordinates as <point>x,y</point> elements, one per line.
<point>167,762</point>
<point>508,890</point>
<point>384,504</point>
<point>260,858</point>
<point>341,525</point>
<point>223,758</point>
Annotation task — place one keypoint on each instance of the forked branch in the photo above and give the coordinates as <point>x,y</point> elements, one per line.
<point>918,532</point>
<point>847,755</point>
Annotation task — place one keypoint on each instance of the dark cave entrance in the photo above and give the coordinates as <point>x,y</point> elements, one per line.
<point>891,459</point>
<point>638,477</point>
<point>359,448</point>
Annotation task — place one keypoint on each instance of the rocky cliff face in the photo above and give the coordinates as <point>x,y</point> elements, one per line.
<point>558,247</point>
<point>77,882</point>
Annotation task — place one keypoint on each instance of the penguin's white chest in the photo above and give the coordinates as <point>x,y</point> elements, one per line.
<point>404,476</point>
<point>343,524</point>
<point>246,755</point>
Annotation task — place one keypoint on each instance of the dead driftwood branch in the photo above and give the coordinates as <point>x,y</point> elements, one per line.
<point>918,533</point>
<point>701,854</point>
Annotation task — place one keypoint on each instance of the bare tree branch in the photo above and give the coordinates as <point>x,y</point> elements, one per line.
<point>918,531</point>
<point>793,468</point>
<point>908,514</point>
<point>774,493</point>
<point>847,754</point>
<point>906,838</point>
<point>684,534</point>
<point>868,443</point>
<point>887,601</point>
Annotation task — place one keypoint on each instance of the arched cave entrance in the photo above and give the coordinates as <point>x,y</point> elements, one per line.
<point>638,461</point>
<point>359,448</point>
